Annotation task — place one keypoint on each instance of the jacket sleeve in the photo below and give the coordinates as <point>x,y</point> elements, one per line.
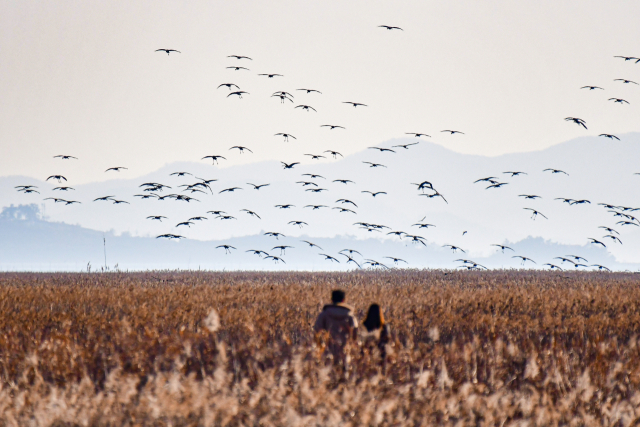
<point>320,323</point>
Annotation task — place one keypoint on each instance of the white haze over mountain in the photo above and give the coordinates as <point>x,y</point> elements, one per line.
<point>600,170</point>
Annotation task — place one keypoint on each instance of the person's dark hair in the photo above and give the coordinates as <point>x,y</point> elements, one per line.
<point>374,319</point>
<point>337,296</point>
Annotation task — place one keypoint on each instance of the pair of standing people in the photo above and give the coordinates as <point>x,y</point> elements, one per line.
<point>337,318</point>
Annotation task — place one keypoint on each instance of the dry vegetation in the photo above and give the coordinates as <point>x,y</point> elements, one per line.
<point>470,348</point>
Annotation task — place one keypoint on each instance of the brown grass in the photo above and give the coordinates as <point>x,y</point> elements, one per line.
<point>470,348</point>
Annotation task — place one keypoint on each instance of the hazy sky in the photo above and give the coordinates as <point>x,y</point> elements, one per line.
<point>82,78</point>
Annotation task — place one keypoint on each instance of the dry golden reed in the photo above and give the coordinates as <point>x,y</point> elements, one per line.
<point>502,348</point>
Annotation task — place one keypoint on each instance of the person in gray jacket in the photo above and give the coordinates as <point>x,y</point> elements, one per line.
<point>338,319</point>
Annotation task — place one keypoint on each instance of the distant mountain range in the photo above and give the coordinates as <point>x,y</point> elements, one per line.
<point>599,170</point>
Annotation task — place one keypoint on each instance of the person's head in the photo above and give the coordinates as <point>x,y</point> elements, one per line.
<point>337,296</point>
<point>374,319</point>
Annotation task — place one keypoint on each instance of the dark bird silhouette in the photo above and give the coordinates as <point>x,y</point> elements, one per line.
<point>240,148</point>
<point>29,191</point>
<point>454,248</point>
<point>331,127</point>
<point>374,263</point>
<point>608,135</point>
<point>417,134</point>
<point>239,57</point>
<point>333,153</point>
<point>627,58</point>
<point>625,81</point>
<point>156,217</point>
<point>349,259</point>
<point>452,131</point>
<point>316,207</point>
<point>59,178</point>
<point>274,234</point>
<point>553,266</point>
<point>374,165</point>
<point>591,87</point>
<point>298,223</point>
<point>257,187</point>
<point>282,248</point>
<point>271,75</point>
<point>579,202</point>
<point>503,247</point>
<point>343,181</point>
<point>569,201</point>
<point>612,237</point>
<point>63,188</point>
<point>252,213</point>
<point>239,68</point>
<point>311,244</point>
<point>227,248</point>
<point>343,210</point>
<point>529,196</point>
<point>311,90</point>
<point>238,93</point>
<point>355,104</point>
<point>285,135</point>
<point>258,252</point>
<point>601,267</point>
<point>313,176</point>
<point>289,165</point>
<point>282,96</point>
<point>515,173</point>
<point>346,201</point>
<point>315,156</point>
<point>329,258</point>
<point>555,171</point>
<point>497,185</point>
<point>198,218</point>
<point>523,258</point>
<point>609,230</point>
<point>406,146</point>
<point>316,190</point>
<point>577,258</point>
<point>374,194</point>
<point>288,206</point>
<point>214,158</point>
<point>187,223</point>
<point>397,233</point>
<point>491,179</point>
<point>619,100</point>
<point>389,27</point>
<point>306,107</point>
<point>117,169</point>
<point>305,183</point>
<point>119,202</point>
<point>275,259</point>
<point>218,213</point>
<point>230,190</point>
<point>228,85</point>
<point>419,225</point>
<point>103,199</point>
<point>350,251</point>
<point>535,213</point>
<point>64,157</point>
<point>396,260</point>
<point>170,236</point>
<point>577,121</point>
<point>179,173</point>
<point>597,242</point>
<point>382,150</point>
<point>168,50</point>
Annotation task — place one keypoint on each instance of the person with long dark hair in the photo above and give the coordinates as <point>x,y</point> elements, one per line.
<point>377,331</point>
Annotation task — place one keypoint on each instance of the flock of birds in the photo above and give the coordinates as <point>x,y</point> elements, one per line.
<point>201,187</point>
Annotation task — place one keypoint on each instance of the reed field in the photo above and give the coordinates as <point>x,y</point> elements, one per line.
<point>497,348</point>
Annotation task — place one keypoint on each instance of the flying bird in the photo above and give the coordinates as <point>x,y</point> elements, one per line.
<point>59,178</point>
<point>117,169</point>
<point>389,27</point>
<point>240,148</point>
<point>608,135</point>
<point>64,157</point>
<point>535,213</point>
<point>591,87</point>
<point>625,81</point>
<point>271,75</point>
<point>239,57</point>
<point>239,68</point>
<point>452,131</point>
<point>329,258</point>
<point>374,165</point>
<point>289,165</point>
<point>306,107</point>
<point>333,153</point>
<point>310,90</point>
<point>406,146</point>
<point>227,248</point>
<point>214,158</point>
<point>238,93</point>
<point>555,171</point>
<point>168,50</point>
<point>355,104</point>
<point>257,187</point>
<point>577,121</point>
<point>285,135</point>
<point>228,85</point>
<point>331,127</point>
<point>619,100</point>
